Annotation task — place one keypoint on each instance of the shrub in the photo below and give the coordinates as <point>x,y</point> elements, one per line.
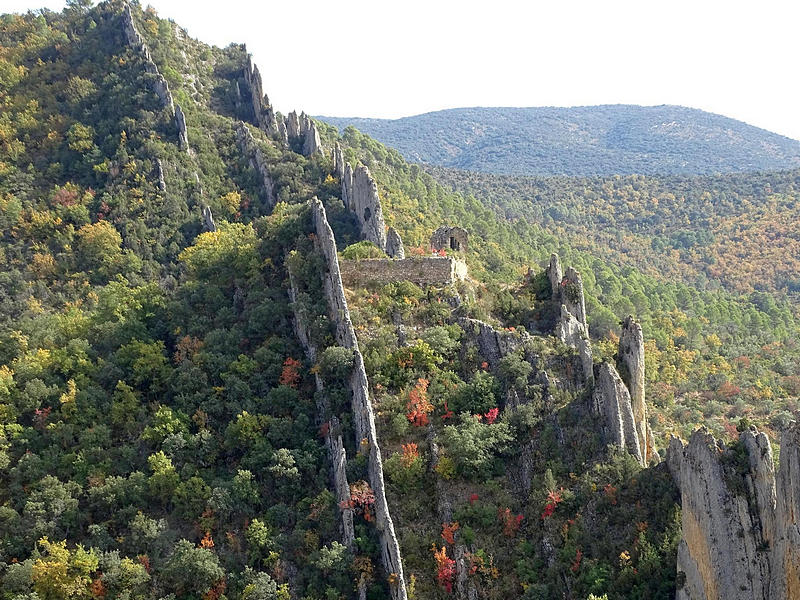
<point>361,250</point>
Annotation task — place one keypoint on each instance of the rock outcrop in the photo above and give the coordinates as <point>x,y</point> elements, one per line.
<point>162,184</point>
<point>555,275</point>
<point>725,496</point>
<point>311,141</point>
<point>360,196</point>
<point>394,244</point>
<point>572,295</point>
<point>363,415</point>
<point>611,401</point>
<point>573,333</point>
<point>260,109</point>
<point>183,133</point>
<point>208,219</point>
<point>741,536</point>
<point>301,133</point>
<point>250,149</point>
<point>364,201</point>
<point>631,356</point>
<point>786,546</point>
<point>159,85</point>
<point>492,344</point>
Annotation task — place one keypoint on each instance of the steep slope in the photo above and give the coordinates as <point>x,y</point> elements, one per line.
<point>193,405</point>
<point>586,140</point>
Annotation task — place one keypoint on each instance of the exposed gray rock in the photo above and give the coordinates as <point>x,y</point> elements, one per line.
<point>208,219</point>
<point>263,113</point>
<point>363,415</point>
<point>492,344</point>
<point>573,333</point>
<point>292,125</point>
<point>786,553</point>
<point>572,295</point>
<point>338,164</point>
<point>136,41</point>
<point>180,123</point>
<point>394,244</point>
<point>347,186</point>
<point>674,459</point>
<point>631,355</point>
<point>450,238</point>
<point>311,141</point>
<point>283,136</point>
<point>612,403</point>
<point>162,185</point>
<point>365,202</point>
<point>723,553</point>
<point>250,148</point>
<point>555,275</point>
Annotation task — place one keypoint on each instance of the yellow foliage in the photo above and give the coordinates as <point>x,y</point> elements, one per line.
<point>61,573</point>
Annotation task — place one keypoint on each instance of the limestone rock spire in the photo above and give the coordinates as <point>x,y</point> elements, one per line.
<point>631,356</point>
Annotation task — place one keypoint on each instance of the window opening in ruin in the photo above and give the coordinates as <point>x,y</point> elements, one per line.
<point>454,244</point>
<point>367,214</point>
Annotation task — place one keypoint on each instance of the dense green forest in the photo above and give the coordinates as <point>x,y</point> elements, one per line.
<point>583,140</point>
<point>160,430</point>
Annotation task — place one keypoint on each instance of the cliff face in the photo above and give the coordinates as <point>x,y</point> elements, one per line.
<point>786,553</point>
<point>611,401</point>
<point>740,531</point>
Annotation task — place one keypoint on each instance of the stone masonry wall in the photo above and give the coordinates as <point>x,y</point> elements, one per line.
<point>422,270</point>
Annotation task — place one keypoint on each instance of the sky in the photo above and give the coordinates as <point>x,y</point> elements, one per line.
<point>376,58</point>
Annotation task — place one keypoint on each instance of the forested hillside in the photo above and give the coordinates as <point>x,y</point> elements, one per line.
<point>180,376</point>
<point>585,140</point>
<point>739,230</point>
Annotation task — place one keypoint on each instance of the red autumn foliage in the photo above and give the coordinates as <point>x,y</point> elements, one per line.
<point>576,564</point>
<point>291,372</point>
<point>448,414</point>
<point>445,569</point>
<point>510,521</point>
<point>40,417</point>
<point>491,416</point>
<point>553,498</point>
<point>216,591</point>
<point>418,407</point>
<point>361,498</point>
<point>473,498</point>
<point>65,196</point>
<point>449,531</point>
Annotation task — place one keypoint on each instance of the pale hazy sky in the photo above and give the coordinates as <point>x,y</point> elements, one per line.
<point>390,59</point>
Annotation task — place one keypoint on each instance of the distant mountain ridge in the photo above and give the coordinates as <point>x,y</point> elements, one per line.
<point>587,140</point>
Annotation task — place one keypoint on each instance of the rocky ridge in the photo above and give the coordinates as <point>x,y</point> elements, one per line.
<point>363,415</point>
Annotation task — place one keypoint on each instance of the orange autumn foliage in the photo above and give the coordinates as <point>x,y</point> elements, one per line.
<point>418,407</point>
